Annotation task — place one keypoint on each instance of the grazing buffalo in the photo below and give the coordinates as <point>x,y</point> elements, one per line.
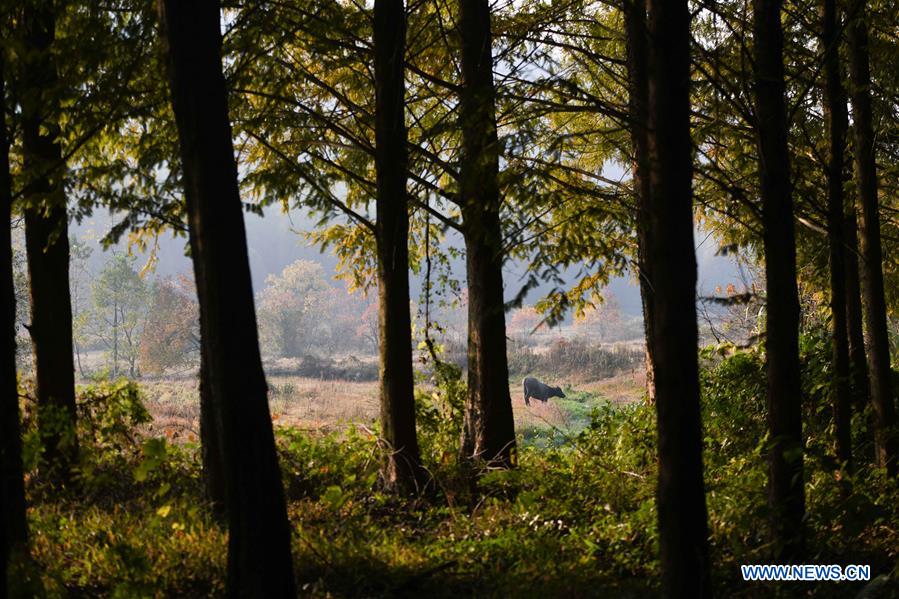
<point>537,390</point>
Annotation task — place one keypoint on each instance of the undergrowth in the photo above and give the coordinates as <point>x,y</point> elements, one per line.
<point>576,518</point>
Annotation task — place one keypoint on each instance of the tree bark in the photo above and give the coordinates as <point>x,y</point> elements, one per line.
<point>858,361</point>
<point>837,121</point>
<point>259,554</point>
<point>210,446</point>
<point>683,528</point>
<point>488,431</point>
<point>878,343</point>
<point>47,243</point>
<point>13,525</point>
<point>786,494</point>
<point>401,469</point>
<point>638,106</point>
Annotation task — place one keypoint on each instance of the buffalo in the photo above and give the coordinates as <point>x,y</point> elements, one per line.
<point>537,390</point>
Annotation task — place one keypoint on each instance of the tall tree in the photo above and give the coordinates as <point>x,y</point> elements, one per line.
<point>861,387</point>
<point>214,478</point>
<point>837,121</point>
<point>878,343</point>
<point>488,432</point>
<point>47,239</point>
<point>259,556</point>
<point>786,495</point>
<point>638,107</point>
<point>669,250</point>
<point>401,468</point>
<point>13,526</point>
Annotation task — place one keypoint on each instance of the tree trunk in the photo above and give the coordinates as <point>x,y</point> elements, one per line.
<point>115,339</point>
<point>210,447</point>
<point>786,493</point>
<point>669,251</point>
<point>13,526</point>
<point>401,469</point>
<point>47,244</point>
<point>836,120</point>
<point>488,431</point>
<point>861,389</point>
<point>638,106</point>
<point>259,554</point>
<point>878,342</point>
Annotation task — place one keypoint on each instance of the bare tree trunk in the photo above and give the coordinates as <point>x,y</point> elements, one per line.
<point>115,339</point>
<point>638,105</point>
<point>878,343</point>
<point>488,431</point>
<point>259,554</point>
<point>47,243</point>
<point>837,121</point>
<point>13,525</point>
<point>671,257</point>
<point>401,469</point>
<point>210,445</point>
<point>786,491</point>
<point>858,361</point>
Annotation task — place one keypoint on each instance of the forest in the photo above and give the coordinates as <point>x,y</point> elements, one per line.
<point>478,176</point>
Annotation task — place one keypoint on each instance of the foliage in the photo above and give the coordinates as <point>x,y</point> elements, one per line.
<point>299,311</point>
<point>574,358</point>
<point>576,518</point>
<point>171,336</point>
<point>119,312</point>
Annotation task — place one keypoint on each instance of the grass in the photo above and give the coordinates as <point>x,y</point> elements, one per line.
<point>328,406</point>
<point>577,518</point>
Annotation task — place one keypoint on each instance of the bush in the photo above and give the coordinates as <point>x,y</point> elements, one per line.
<point>576,357</point>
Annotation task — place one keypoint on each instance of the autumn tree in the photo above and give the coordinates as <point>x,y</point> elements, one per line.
<point>669,250</point>
<point>638,110</point>
<point>171,334</point>
<point>488,432</point>
<point>836,121</point>
<point>786,486</point>
<point>13,524</point>
<point>118,315</point>
<point>259,554</point>
<point>401,469</point>
<point>870,244</point>
<point>293,309</point>
<point>46,236</point>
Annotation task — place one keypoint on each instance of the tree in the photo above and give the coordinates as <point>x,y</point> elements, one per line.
<point>259,555</point>
<point>669,250</point>
<point>401,469</point>
<point>870,245</point>
<point>524,320</point>
<point>47,239</point>
<point>79,277</point>
<point>119,297</point>
<point>293,309</point>
<point>836,120</point>
<point>603,320</point>
<point>638,108</point>
<point>13,525</point>
<point>171,334</point>
<point>861,387</point>
<point>488,431</point>
<point>786,487</point>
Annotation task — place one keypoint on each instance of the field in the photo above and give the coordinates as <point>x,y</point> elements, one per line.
<point>331,405</point>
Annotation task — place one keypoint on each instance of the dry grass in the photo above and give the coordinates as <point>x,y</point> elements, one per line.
<point>621,389</point>
<point>328,405</point>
